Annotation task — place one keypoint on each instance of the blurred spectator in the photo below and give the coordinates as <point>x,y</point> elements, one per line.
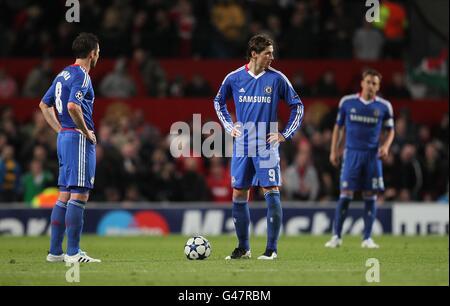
<point>409,174</point>
<point>393,22</point>
<point>298,39</point>
<point>35,181</point>
<point>152,74</point>
<point>229,21</point>
<point>435,174</point>
<point>118,84</point>
<point>38,80</point>
<point>192,184</point>
<point>299,84</point>
<point>367,43</point>
<point>185,22</point>
<point>10,171</point>
<point>326,86</point>
<point>8,86</point>
<point>177,87</point>
<point>302,182</point>
<point>397,88</point>
<point>198,87</point>
<point>338,28</point>
<point>218,181</point>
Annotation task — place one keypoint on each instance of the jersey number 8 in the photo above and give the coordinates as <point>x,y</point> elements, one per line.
<point>58,101</point>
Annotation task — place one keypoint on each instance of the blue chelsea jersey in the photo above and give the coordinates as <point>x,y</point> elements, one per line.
<point>364,120</point>
<point>73,84</point>
<point>256,98</point>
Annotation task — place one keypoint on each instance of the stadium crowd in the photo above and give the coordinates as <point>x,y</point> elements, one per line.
<point>133,159</point>
<point>205,29</point>
<point>134,162</point>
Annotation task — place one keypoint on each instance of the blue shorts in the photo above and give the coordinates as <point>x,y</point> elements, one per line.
<point>76,156</point>
<point>254,171</point>
<point>361,171</point>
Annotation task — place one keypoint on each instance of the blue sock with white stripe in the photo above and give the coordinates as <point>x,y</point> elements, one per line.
<point>341,214</point>
<point>74,225</point>
<point>58,227</point>
<point>241,219</point>
<point>370,213</point>
<point>274,219</point>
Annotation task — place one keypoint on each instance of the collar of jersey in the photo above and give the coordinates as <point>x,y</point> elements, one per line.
<point>252,74</point>
<point>365,101</point>
<point>78,65</point>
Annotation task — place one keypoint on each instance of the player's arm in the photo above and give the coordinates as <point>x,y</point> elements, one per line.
<point>78,90</point>
<point>337,138</point>
<point>220,105</point>
<point>49,115</point>
<point>383,150</point>
<point>386,141</point>
<point>336,142</point>
<point>76,114</point>
<point>289,95</point>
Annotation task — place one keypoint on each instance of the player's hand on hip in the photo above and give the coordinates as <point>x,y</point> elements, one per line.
<point>91,137</point>
<point>334,159</point>
<point>275,138</point>
<point>383,152</point>
<point>236,131</point>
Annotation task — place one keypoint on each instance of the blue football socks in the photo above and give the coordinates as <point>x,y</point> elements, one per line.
<point>241,219</point>
<point>370,213</point>
<point>274,219</point>
<point>74,225</point>
<point>58,227</point>
<point>341,214</point>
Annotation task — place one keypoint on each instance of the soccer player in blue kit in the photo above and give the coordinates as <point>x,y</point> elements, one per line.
<point>363,117</point>
<point>72,95</point>
<point>256,89</point>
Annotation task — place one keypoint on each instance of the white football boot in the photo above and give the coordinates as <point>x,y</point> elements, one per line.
<point>369,244</point>
<point>268,255</point>
<point>334,242</point>
<point>55,258</point>
<point>80,257</point>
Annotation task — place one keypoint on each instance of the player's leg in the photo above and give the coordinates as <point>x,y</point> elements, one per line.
<point>58,216</point>
<point>81,180</point>
<point>349,181</point>
<point>340,215</point>
<point>242,173</point>
<point>373,184</point>
<point>58,227</point>
<point>269,178</point>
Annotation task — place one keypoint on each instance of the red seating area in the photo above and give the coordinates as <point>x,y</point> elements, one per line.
<point>215,70</point>
<point>175,109</point>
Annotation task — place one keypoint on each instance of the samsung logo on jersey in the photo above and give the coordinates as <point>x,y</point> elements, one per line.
<point>64,74</point>
<point>255,99</point>
<point>363,119</point>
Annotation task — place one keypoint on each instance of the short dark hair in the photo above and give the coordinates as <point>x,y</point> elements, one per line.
<point>83,44</point>
<point>371,72</point>
<point>258,43</point>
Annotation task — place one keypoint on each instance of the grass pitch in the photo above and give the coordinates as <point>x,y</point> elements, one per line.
<point>303,260</point>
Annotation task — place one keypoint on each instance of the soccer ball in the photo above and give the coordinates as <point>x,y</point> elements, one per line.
<point>197,247</point>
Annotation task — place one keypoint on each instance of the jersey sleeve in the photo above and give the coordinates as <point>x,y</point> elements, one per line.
<point>220,105</point>
<point>79,88</point>
<point>388,120</point>
<point>49,97</point>
<point>340,120</point>
<point>287,92</point>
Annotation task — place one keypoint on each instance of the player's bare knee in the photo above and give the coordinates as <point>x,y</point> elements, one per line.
<point>271,188</point>
<point>347,193</point>
<point>240,194</point>
<point>63,196</point>
<point>79,196</point>
<point>368,194</point>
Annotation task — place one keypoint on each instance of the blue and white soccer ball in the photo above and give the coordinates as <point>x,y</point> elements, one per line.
<point>197,248</point>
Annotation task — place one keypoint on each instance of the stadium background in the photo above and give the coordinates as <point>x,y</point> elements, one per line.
<point>162,61</point>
